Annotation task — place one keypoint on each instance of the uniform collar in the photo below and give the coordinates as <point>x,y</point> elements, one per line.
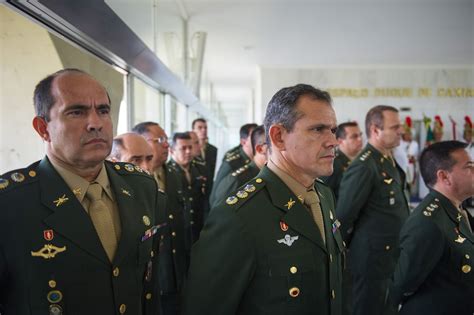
<point>296,188</point>
<point>79,185</point>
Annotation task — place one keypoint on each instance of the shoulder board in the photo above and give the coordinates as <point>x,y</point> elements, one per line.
<point>129,169</point>
<point>364,155</point>
<point>245,193</point>
<point>240,170</point>
<point>18,178</point>
<point>232,157</point>
<point>429,210</point>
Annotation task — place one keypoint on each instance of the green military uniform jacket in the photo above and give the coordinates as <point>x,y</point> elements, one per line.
<point>200,165</point>
<point>194,202</point>
<point>262,253</point>
<point>372,209</point>
<point>341,163</point>
<point>173,254</point>
<point>233,181</point>
<point>231,163</point>
<point>51,258</point>
<point>210,159</point>
<point>435,274</point>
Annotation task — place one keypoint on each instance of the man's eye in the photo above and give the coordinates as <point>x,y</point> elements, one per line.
<point>333,130</point>
<point>104,111</point>
<point>77,112</point>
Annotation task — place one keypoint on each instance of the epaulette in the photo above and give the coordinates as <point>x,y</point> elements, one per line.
<point>245,192</point>
<point>231,158</point>
<point>428,211</point>
<point>240,170</point>
<point>364,155</point>
<point>18,178</point>
<point>128,168</point>
<point>202,163</point>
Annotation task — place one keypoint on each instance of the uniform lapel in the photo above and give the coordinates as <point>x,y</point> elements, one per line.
<point>130,215</point>
<point>455,215</point>
<point>295,216</point>
<point>68,217</point>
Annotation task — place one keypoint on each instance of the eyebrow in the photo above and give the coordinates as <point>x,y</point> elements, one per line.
<point>82,106</point>
<point>321,125</point>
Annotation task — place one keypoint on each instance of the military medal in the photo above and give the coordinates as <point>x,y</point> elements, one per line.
<point>335,226</point>
<point>152,231</point>
<point>48,235</point>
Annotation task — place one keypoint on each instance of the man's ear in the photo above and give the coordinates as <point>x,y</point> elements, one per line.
<point>443,176</point>
<point>277,134</point>
<point>41,127</point>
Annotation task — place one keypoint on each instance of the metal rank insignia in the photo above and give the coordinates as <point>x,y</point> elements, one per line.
<point>242,194</point>
<point>388,181</point>
<point>126,192</point>
<point>61,200</point>
<point>249,188</point>
<point>129,167</point>
<point>3,183</point>
<point>48,251</point>
<point>17,177</point>
<point>427,213</point>
<point>288,240</point>
<point>232,200</point>
<point>290,203</point>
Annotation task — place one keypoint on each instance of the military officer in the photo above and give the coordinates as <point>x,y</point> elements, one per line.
<point>434,274</point>
<point>274,247</point>
<point>242,175</point>
<point>372,208</point>
<point>208,151</point>
<point>174,258</point>
<point>132,148</point>
<point>193,186</point>
<point>349,138</point>
<point>200,164</point>
<point>238,156</point>
<point>79,234</point>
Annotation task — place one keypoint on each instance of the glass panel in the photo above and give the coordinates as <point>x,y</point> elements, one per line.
<point>148,103</point>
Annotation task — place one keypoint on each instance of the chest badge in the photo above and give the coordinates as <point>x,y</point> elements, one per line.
<point>283,226</point>
<point>288,240</point>
<point>61,200</point>
<point>388,181</point>
<point>48,235</point>
<point>48,251</point>
<point>460,239</point>
<point>290,203</point>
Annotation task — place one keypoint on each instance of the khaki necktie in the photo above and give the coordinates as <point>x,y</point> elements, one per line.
<point>466,218</point>
<point>102,219</point>
<point>160,178</point>
<point>312,201</point>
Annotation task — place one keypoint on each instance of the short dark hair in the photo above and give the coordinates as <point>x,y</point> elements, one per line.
<point>179,136</point>
<point>43,98</point>
<point>198,120</point>
<point>117,146</point>
<point>257,137</point>
<point>438,157</point>
<point>282,107</point>
<point>375,117</point>
<point>341,129</point>
<point>143,127</point>
<point>246,130</point>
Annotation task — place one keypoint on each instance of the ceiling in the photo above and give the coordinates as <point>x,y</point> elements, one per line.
<point>243,36</point>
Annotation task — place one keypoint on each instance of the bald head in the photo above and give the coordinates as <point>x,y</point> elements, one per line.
<point>132,148</point>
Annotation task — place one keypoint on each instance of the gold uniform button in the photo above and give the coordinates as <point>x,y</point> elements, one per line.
<point>387,247</point>
<point>259,180</point>
<point>467,256</point>
<point>174,251</point>
<point>293,270</point>
<point>173,234</point>
<point>466,268</point>
<point>148,296</point>
<point>123,309</point>
<point>170,216</point>
<point>52,284</point>
<point>152,254</point>
<point>191,211</point>
<point>116,272</point>
<point>333,294</point>
<point>294,292</point>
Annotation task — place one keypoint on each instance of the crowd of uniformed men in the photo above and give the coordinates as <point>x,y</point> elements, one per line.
<point>300,218</point>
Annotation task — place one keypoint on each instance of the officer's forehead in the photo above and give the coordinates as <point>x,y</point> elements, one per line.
<point>78,85</point>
